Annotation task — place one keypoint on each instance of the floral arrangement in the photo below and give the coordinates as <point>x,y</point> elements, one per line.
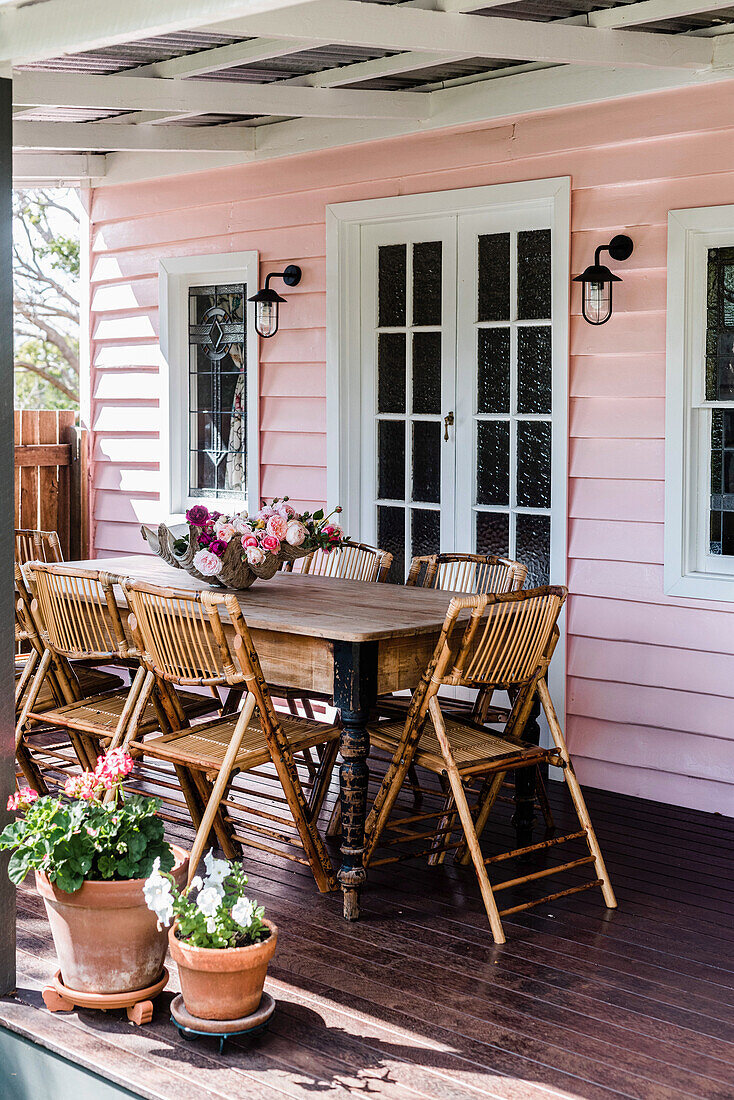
<point>86,838</point>
<point>219,916</point>
<point>274,529</point>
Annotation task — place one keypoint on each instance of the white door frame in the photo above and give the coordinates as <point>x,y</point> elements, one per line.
<point>344,222</point>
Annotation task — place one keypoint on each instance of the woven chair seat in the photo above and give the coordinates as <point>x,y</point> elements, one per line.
<point>205,745</point>
<point>91,681</point>
<point>471,746</point>
<point>100,714</point>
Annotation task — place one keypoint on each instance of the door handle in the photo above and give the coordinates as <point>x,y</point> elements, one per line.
<point>448,422</point>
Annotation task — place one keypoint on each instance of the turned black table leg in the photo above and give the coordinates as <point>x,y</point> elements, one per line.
<point>524,816</point>
<point>355,692</point>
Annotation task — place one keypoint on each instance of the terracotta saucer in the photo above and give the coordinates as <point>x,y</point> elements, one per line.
<point>139,1002</point>
<point>191,1026</point>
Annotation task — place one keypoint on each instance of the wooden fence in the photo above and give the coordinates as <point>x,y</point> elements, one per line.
<point>51,477</point>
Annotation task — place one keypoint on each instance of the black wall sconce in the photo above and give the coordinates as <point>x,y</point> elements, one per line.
<point>267,301</point>
<point>596,281</point>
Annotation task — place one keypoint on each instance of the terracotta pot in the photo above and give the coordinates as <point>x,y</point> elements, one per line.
<point>106,938</point>
<point>222,983</point>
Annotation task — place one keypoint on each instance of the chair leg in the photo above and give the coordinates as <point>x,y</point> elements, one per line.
<point>444,828</point>
<point>486,802</point>
<point>323,778</point>
<point>30,769</point>
<point>576,795</point>
<point>467,823</point>
<point>542,795</point>
<point>222,830</point>
<point>414,780</point>
<point>334,828</point>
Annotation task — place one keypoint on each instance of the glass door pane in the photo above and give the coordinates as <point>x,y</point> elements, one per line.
<point>408,385</point>
<point>504,391</point>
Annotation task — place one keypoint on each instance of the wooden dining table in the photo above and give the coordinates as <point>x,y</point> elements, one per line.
<point>349,639</point>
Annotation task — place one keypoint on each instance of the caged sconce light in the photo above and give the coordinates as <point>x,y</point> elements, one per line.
<point>596,281</point>
<point>267,301</point>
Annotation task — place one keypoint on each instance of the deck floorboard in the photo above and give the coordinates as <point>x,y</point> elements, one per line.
<point>415,1002</point>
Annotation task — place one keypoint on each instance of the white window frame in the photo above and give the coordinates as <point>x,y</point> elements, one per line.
<point>175,276</point>
<point>689,570</point>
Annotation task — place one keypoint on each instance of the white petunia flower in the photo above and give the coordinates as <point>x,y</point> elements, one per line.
<point>209,902</point>
<point>196,883</point>
<point>217,872</point>
<point>243,911</point>
<point>158,896</point>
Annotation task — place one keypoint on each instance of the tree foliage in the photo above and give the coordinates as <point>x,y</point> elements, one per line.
<point>46,299</point>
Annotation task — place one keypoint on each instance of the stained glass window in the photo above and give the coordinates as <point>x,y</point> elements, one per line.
<point>217,391</point>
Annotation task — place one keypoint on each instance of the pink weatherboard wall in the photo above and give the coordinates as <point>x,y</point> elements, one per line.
<point>650,700</point>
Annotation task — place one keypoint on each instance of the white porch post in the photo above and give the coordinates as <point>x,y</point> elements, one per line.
<point>7,742</point>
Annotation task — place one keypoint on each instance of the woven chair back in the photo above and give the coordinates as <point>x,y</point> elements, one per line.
<point>506,641</point>
<point>78,612</point>
<point>470,573</point>
<point>353,562</point>
<point>33,545</point>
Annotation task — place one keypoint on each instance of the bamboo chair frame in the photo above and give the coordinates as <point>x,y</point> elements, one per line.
<point>505,645</point>
<point>183,641</point>
<point>78,619</point>
<point>31,545</point>
<point>355,561</point>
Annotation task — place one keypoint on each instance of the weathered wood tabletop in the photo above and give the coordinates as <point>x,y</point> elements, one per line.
<point>351,639</point>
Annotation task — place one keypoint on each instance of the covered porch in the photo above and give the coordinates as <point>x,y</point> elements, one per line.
<point>439,171</point>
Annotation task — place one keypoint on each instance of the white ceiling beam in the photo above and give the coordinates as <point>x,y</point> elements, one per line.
<point>394,65</point>
<point>61,167</point>
<point>106,136</point>
<point>224,57</point>
<point>395,27</point>
<point>52,89</point>
<point>651,11</point>
<point>40,31</point>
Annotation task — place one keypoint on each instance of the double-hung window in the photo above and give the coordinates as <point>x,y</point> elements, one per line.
<point>210,382</point>
<point>699,514</point>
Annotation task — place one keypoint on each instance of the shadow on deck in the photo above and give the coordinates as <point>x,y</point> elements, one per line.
<point>415,1001</point>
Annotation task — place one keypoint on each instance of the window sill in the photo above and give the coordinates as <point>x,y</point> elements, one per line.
<point>701,586</point>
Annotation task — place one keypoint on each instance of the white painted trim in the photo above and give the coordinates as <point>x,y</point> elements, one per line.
<point>105,136</point>
<point>344,222</point>
<point>174,278</point>
<point>688,570</point>
<point>32,87</point>
<point>39,31</point>
<point>399,27</point>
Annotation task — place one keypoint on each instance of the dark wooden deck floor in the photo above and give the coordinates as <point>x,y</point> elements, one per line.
<point>414,1001</point>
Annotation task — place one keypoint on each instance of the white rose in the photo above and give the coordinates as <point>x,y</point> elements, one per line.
<point>207,563</point>
<point>241,523</point>
<point>255,555</point>
<point>295,533</point>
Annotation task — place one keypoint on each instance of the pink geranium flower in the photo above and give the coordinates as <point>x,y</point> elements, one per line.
<point>270,543</point>
<point>22,799</point>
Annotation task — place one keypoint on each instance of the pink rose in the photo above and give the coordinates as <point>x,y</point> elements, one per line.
<point>270,543</point>
<point>241,524</point>
<point>225,531</point>
<point>265,512</point>
<point>255,554</point>
<point>207,563</point>
<point>277,527</point>
<point>295,533</point>
<point>328,530</point>
<point>285,510</point>
<point>249,540</point>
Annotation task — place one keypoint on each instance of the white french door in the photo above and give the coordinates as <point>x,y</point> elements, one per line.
<point>463,422</point>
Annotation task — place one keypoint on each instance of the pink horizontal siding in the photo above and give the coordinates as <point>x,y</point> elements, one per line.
<point>649,677</point>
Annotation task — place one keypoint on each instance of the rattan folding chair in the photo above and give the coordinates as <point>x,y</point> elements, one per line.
<point>504,646</point>
<point>183,641</point>
<point>33,545</point>
<point>78,620</point>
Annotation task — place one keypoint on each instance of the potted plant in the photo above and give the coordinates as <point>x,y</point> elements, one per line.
<point>91,856</point>
<point>219,939</point>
